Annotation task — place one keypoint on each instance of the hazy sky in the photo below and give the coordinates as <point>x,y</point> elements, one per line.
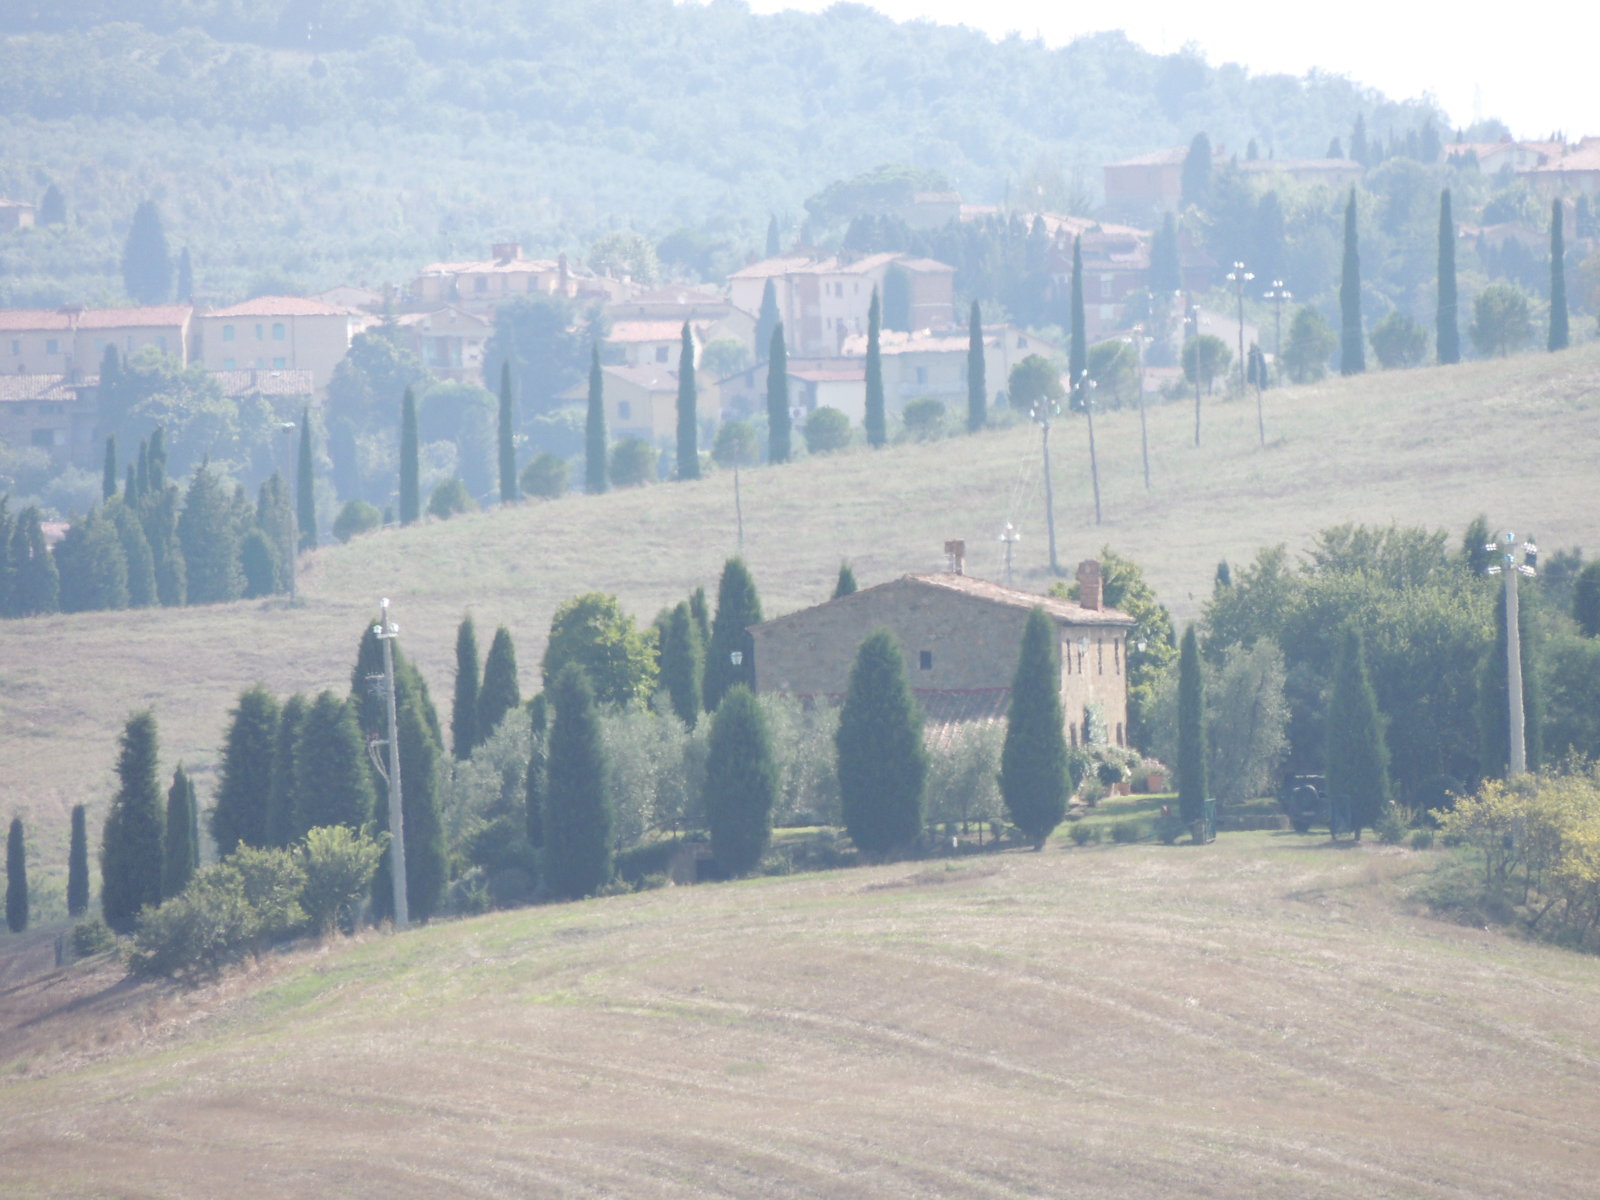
<point>1469,61</point>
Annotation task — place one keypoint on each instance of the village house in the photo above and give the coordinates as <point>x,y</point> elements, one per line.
<point>823,300</point>
<point>51,413</point>
<point>71,341</point>
<point>934,365</point>
<point>278,333</point>
<point>642,401</point>
<point>448,340</point>
<point>960,637</point>
<point>482,284</point>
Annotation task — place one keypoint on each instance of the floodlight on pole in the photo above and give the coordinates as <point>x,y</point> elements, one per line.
<point>1044,409</point>
<point>1278,295</point>
<point>1510,569</point>
<point>1239,277</point>
<point>386,631</point>
<point>1010,537</point>
<point>1139,339</point>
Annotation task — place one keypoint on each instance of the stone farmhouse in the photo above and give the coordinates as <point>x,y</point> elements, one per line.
<point>960,637</point>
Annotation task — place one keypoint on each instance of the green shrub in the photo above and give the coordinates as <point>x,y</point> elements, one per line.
<point>194,934</point>
<point>1111,772</point>
<point>633,462</point>
<point>1124,832</point>
<point>450,499</point>
<point>827,430</point>
<point>1082,834</point>
<point>638,863</point>
<point>355,518</point>
<point>1092,791</point>
<point>1422,839</point>
<point>273,881</point>
<point>924,418</point>
<point>546,476</point>
<point>1391,825</point>
<point>339,865</point>
<point>91,937</point>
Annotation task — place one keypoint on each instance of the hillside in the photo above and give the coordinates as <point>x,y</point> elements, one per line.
<point>1263,1017</point>
<point>1514,439</point>
<point>294,145</point>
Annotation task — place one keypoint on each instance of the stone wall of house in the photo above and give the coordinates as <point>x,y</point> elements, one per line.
<point>950,642</point>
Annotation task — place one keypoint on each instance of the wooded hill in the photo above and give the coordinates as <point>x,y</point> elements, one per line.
<point>294,144</point>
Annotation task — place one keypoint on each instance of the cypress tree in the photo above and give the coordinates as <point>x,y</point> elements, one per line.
<point>1078,353</point>
<point>741,783</point>
<point>35,586</point>
<point>882,763</point>
<point>594,429</point>
<point>846,585</point>
<point>1558,280</point>
<point>305,488</point>
<point>426,866</point>
<point>141,566</point>
<point>130,847</point>
<point>16,879</point>
<point>977,386</point>
<point>507,445</point>
<point>1358,760</point>
<point>1166,267</point>
<point>700,611</point>
<point>1586,600</point>
<point>333,780</point>
<point>777,398</point>
<point>688,421</point>
<point>78,863</point>
<point>683,664</point>
<point>464,704</point>
<point>738,608</point>
<point>180,856</point>
<point>366,688</point>
<point>577,812</point>
<point>92,569</point>
<point>275,517</point>
<point>108,473</point>
<point>281,828</point>
<point>767,318</point>
<point>244,793</point>
<point>52,206</point>
<point>410,467</point>
<point>773,247</point>
<point>1352,341</point>
<point>533,782</point>
<point>876,419</point>
<point>146,261</point>
<point>1446,328</point>
<point>1196,179</point>
<point>209,536</point>
<point>500,693</point>
<point>1191,731</point>
<point>1033,763</point>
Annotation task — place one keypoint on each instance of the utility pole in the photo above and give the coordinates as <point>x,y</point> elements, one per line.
<point>1086,388</point>
<point>386,631</point>
<point>1511,569</point>
<point>1193,322</point>
<point>291,552</point>
<point>1044,408</point>
<point>1009,536</point>
<point>1139,338</point>
<point>1278,295</point>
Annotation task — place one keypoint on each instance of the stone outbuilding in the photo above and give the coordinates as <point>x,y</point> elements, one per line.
<point>960,637</point>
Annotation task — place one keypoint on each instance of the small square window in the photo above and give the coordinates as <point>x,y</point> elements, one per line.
<point>52,346</point>
<point>661,354</point>
<point>261,332</point>
<point>278,331</point>
<point>926,657</point>
<point>227,333</point>
<point>280,362</point>
<point>230,364</point>
<point>16,346</point>
<point>624,409</point>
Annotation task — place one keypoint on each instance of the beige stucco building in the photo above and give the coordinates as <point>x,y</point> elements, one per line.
<point>278,333</point>
<point>960,637</point>
<point>71,341</point>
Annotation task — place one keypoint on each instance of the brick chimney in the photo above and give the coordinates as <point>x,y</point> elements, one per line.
<point>1089,583</point>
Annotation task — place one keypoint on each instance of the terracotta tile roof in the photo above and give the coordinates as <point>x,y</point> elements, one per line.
<point>855,374</point>
<point>818,265</point>
<point>267,382</point>
<point>135,318</point>
<point>30,320</point>
<point>281,306</point>
<point>654,379</point>
<point>1156,158</point>
<point>495,266</point>
<point>19,389</point>
<point>947,713</point>
<point>925,265</point>
<point>645,331</point>
<point>1061,610</point>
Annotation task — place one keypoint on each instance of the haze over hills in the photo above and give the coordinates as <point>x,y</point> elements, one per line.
<point>293,146</point>
<point>1514,439</point>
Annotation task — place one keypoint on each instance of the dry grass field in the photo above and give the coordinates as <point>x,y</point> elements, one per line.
<point>1268,1016</point>
<point>1516,439</point>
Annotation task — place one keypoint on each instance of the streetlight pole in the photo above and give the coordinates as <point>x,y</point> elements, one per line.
<point>1010,537</point>
<point>1139,338</point>
<point>1239,277</point>
<point>386,631</point>
<point>1086,388</point>
<point>1192,321</point>
<point>1044,408</point>
<point>1278,295</point>
<point>1511,569</point>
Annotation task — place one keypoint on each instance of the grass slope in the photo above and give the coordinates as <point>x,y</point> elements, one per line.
<point>1516,439</point>
<point>1261,1017</point>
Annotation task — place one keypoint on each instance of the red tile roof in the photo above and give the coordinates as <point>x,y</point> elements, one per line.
<point>135,318</point>
<point>281,306</point>
<point>29,320</point>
